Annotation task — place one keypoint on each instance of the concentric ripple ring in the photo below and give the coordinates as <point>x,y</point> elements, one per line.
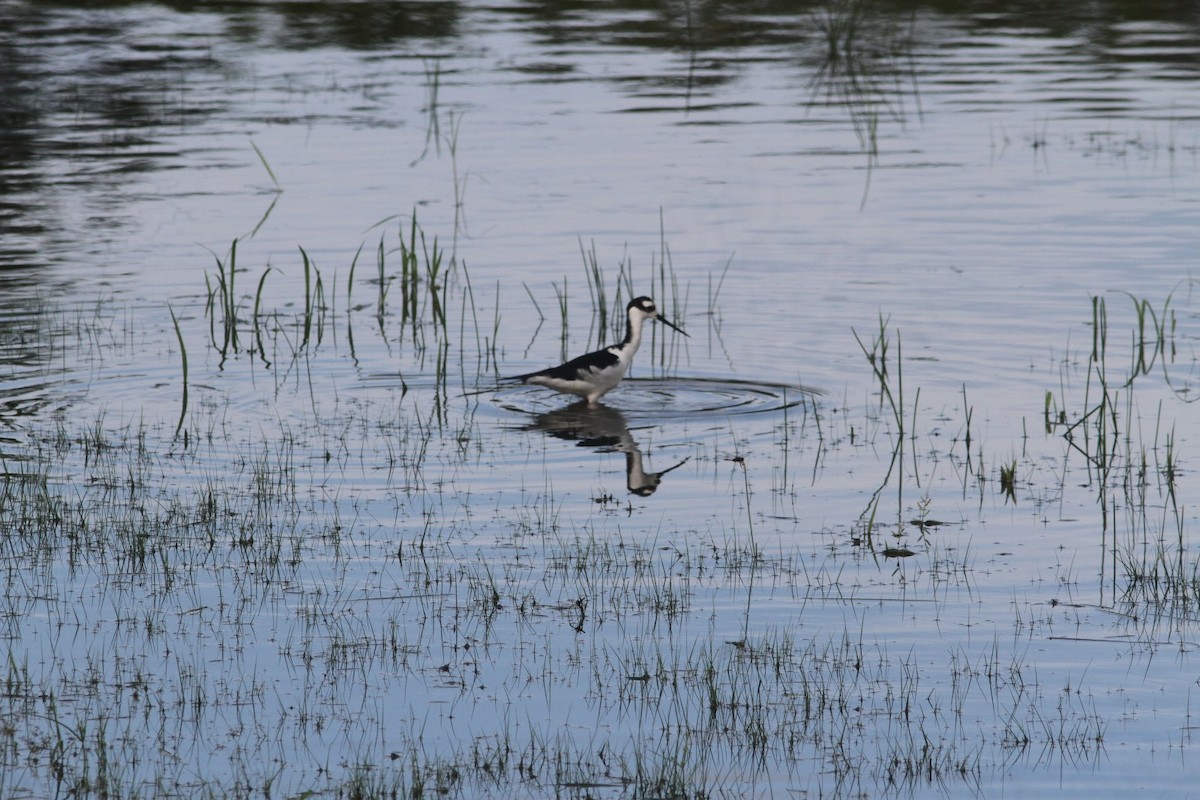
<point>676,398</point>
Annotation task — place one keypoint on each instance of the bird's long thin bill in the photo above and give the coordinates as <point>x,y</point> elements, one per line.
<point>672,325</point>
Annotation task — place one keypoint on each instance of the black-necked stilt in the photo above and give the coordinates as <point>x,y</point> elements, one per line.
<point>591,376</point>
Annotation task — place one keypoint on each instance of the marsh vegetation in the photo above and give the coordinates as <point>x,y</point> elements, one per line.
<point>390,591</point>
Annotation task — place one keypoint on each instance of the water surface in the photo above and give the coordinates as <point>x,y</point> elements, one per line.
<point>351,561</point>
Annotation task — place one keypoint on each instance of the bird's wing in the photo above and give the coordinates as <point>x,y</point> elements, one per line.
<point>569,371</point>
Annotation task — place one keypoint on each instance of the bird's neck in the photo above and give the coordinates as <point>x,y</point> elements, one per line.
<point>633,335</point>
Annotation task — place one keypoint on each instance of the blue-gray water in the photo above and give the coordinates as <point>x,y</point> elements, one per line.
<point>788,180</point>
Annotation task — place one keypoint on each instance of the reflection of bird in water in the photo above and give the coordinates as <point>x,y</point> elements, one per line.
<point>591,376</point>
<point>638,481</point>
<point>604,428</point>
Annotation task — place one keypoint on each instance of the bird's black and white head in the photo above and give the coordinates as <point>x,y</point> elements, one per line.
<point>643,308</point>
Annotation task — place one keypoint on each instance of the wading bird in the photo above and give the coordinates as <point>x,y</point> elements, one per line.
<point>591,376</point>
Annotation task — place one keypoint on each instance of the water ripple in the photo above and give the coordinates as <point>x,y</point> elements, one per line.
<point>674,398</point>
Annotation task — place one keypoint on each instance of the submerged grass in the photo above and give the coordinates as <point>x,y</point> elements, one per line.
<point>377,594</point>
<point>1151,558</point>
<point>718,718</point>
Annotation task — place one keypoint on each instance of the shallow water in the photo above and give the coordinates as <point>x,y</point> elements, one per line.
<point>356,559</point>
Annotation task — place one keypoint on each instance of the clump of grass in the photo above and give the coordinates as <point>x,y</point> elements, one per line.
<point>563,318</point>
<point>221,307</point>
<point>877,356</point>
<point>1097,431</point>
<point>383,282</point>
<point>1053,415</point>
<point>314,300</point>
<point>1151,563</point>
<point>1008,481</point>
<point>426,270</point>
<point>1153,338</point>
<point>431,257</point>
<point>891,397</point>
<point>596,290</point>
